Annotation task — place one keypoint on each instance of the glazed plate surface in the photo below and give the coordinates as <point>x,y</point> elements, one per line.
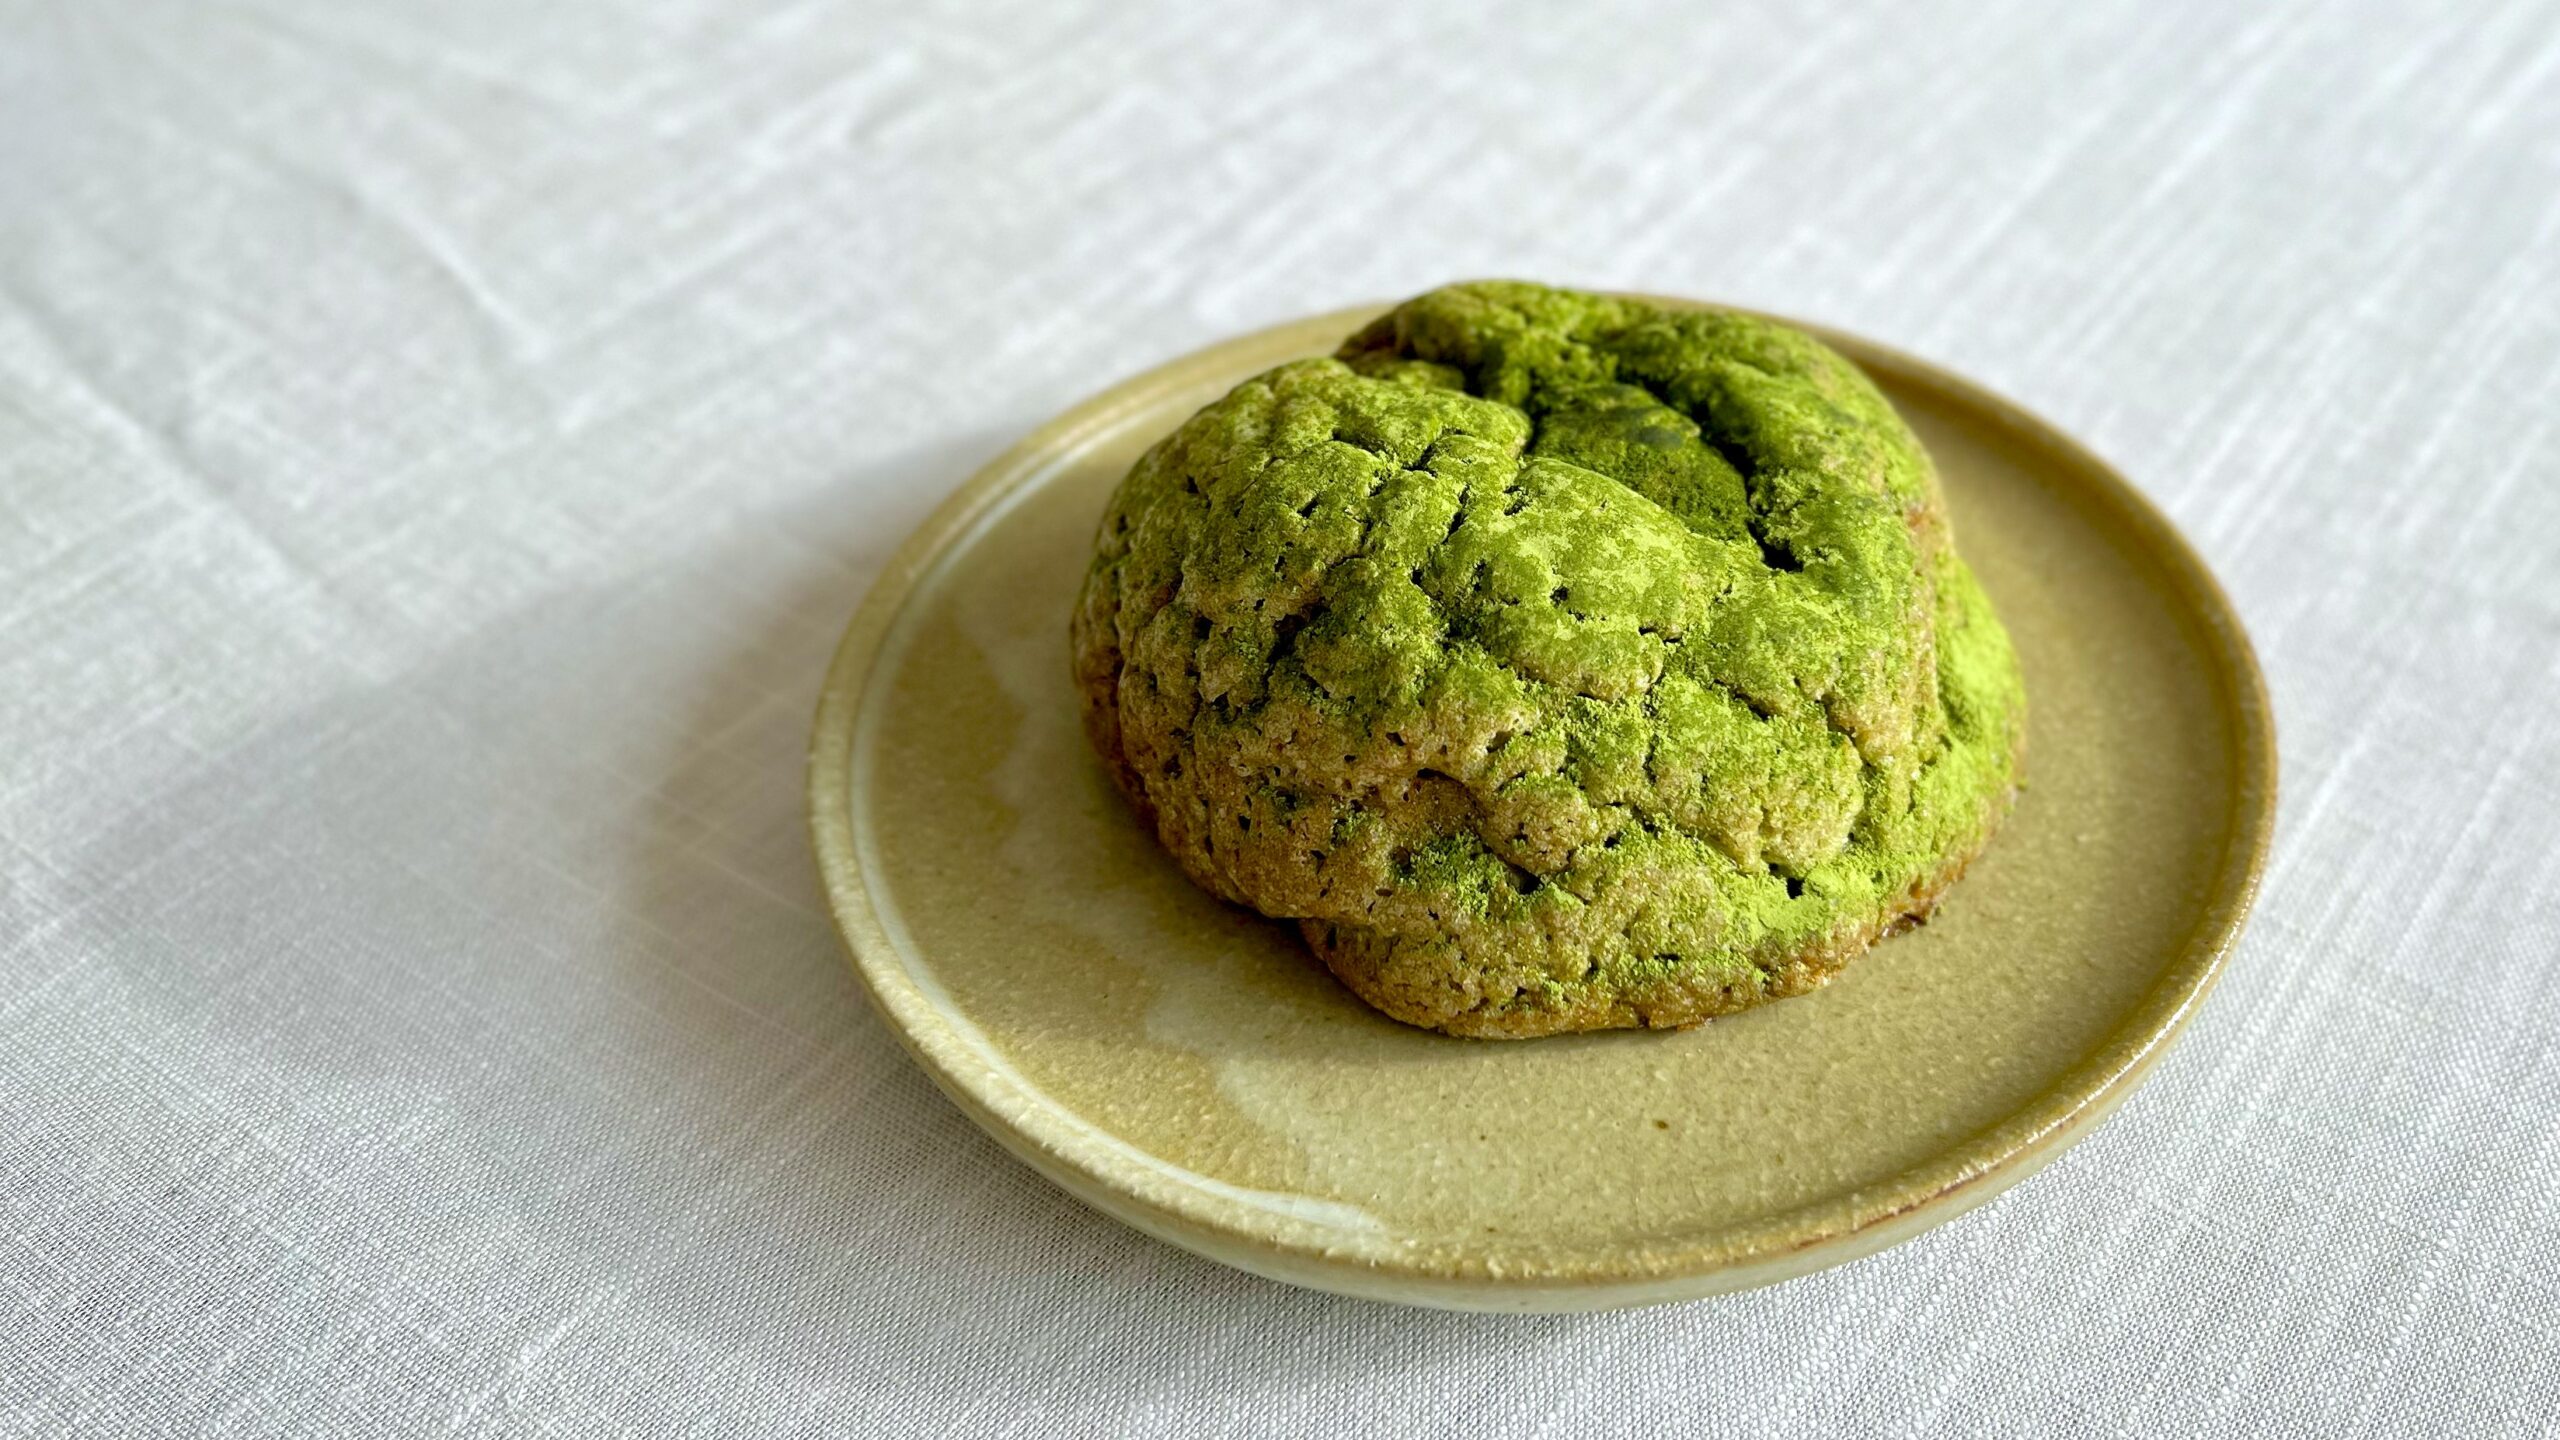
<point>1188,1068</point>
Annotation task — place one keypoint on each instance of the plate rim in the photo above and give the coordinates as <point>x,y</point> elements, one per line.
<point>1160,1202</point>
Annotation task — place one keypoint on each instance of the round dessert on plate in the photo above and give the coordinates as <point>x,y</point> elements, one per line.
<point>1544,662</point>
<point>1555,661</point>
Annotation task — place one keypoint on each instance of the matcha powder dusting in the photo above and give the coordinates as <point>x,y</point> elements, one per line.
<point>1554,661</point>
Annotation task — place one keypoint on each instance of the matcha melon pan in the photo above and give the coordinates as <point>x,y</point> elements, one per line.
<point>1556,661</point>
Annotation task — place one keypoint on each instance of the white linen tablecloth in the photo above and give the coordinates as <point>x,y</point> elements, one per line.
<point>439,444</point>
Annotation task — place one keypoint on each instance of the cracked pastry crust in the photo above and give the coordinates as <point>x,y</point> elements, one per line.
<point>1557,662</point>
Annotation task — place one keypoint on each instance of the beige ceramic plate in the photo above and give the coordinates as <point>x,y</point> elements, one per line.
<point>1188,1068</point>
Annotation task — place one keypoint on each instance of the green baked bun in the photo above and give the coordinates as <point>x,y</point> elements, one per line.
<point>1554,660</point>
